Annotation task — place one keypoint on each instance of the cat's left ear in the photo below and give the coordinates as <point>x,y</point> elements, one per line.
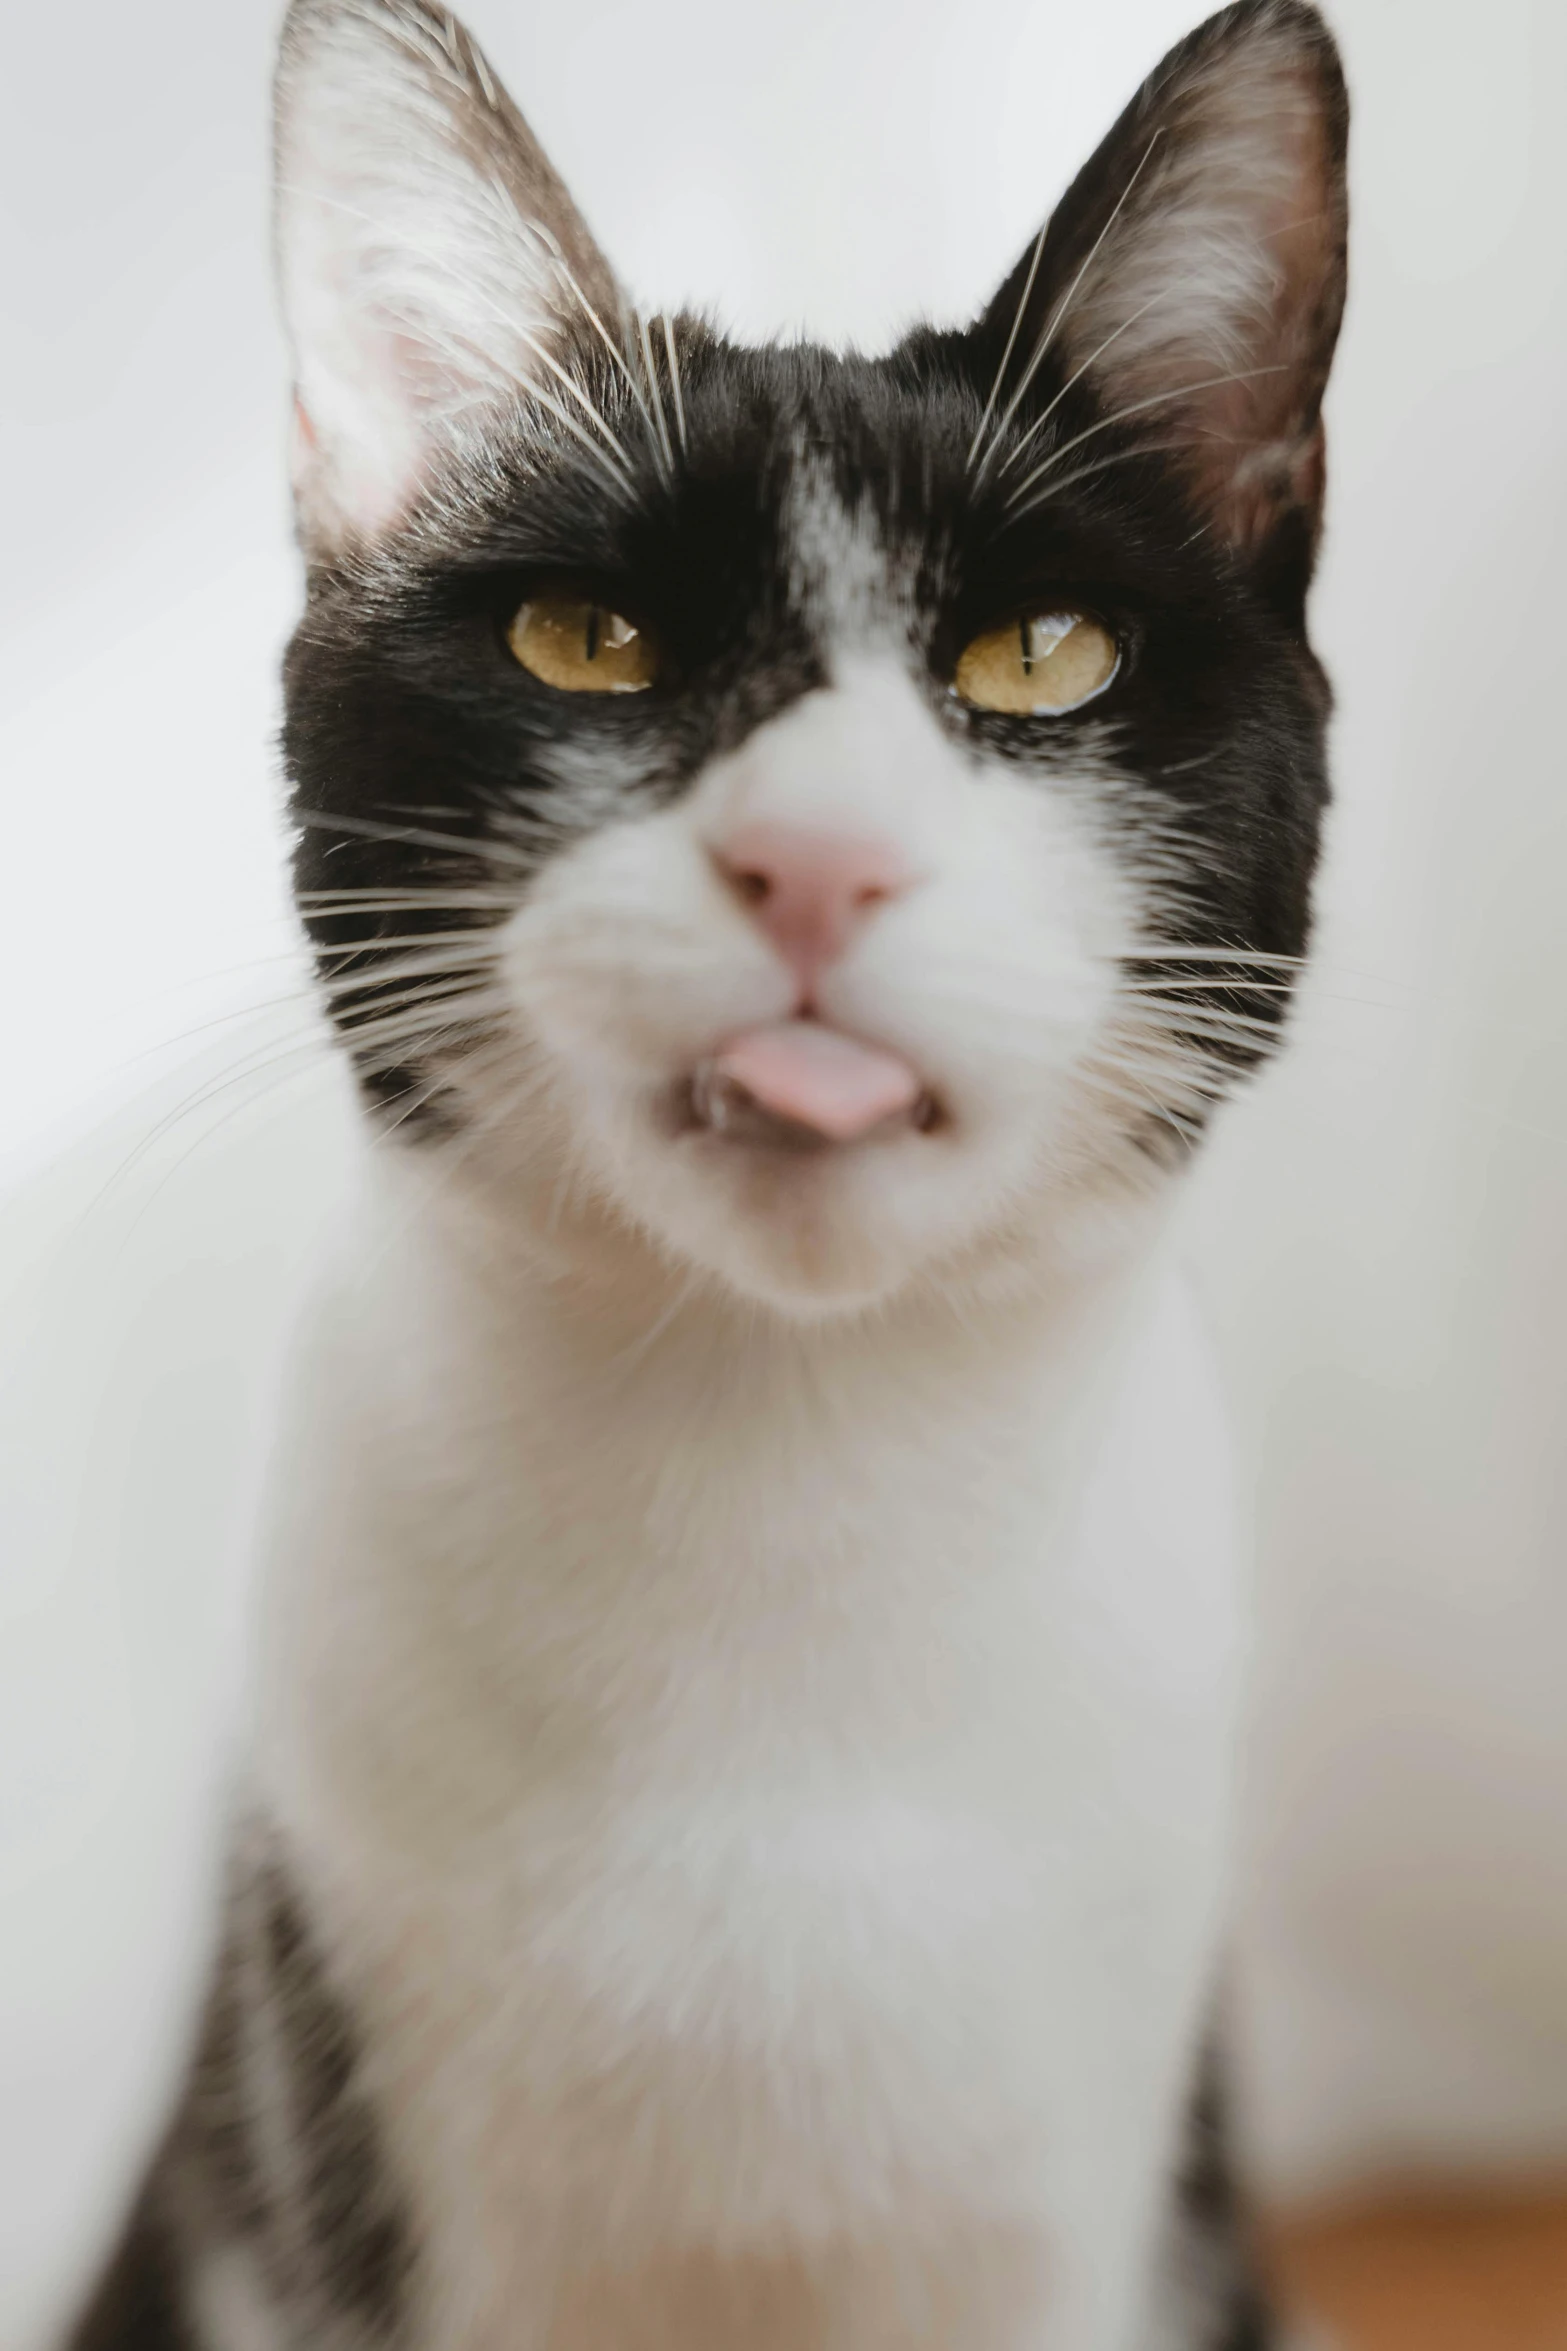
<point>1193,280</point>
<point>431,263</point>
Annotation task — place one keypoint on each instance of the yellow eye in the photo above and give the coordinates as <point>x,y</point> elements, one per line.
<point>1041,661</point>
<point>582,647</point>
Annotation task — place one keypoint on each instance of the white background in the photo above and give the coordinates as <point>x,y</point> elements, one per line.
<point>1384,1245</point>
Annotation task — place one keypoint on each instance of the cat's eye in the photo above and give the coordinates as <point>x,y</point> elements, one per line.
<point>1042,661</point>
<point>582,647</point>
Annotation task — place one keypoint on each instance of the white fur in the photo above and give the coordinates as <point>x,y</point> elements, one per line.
<point>629,961</point>
<point>230,2303</point>
<point>769,1801</point>
<point>750,1645</point>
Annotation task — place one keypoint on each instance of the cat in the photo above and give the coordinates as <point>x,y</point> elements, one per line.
<point>797,847</point>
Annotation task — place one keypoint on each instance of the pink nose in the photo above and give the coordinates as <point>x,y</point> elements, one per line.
<point>810,891</point>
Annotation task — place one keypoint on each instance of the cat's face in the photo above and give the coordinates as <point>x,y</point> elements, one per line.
<point>837,818</point>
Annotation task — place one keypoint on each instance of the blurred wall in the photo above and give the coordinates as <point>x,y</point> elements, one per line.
<point>1388,1251</point>
<point>1378,1229</point>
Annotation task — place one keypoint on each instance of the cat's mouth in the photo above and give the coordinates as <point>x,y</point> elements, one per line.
<point>799,1085</point>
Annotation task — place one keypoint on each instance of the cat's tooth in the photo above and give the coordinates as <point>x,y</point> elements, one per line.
<point>709,1098</point>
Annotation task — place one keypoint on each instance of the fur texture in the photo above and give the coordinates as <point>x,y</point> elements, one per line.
<point>739,1788</point>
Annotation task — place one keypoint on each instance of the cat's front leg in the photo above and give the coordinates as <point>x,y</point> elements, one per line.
<point>1208,2291</point>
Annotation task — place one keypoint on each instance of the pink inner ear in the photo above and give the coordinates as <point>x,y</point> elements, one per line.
<point>1209,315</point>
<point>302,424</point>
<point>1257,446</point>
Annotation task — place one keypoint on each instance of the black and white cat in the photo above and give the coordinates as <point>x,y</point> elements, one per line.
<point>795,845</point>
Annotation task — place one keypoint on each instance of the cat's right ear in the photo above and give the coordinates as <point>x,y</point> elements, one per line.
<point>431,262</point>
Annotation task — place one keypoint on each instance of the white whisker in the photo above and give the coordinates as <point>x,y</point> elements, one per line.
<point>1175,951</point>
<point>413,835</point>
<point>1014,454</point>
<point>674,380</point>
<point>1088,473</point>
<point>371,899</point>
<point>1242,375</point>
<point>656,396</point>
<point>568,280</point>
<point>1053,324</point>
<point>490,387</point>
<point>1006,356</point>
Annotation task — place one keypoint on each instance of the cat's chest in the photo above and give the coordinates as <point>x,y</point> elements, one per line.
<point>739,2016</point>
<point>769,2008</point>
<point>738,1981</point>
<point>731,1894</point>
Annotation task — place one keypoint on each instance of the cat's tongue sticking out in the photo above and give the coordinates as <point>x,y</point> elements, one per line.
<point>809,891</point>
<point>831,1086</point>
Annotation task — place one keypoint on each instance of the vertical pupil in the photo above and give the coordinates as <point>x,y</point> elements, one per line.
<point>1026,647</point>
<point>592,633</point>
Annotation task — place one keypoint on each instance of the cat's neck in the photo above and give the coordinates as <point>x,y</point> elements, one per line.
<point>601,1526</point>
<point>484,1361</point>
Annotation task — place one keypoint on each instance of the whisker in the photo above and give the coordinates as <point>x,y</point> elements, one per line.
<point>1154,989</point>
<point>443,941</point>
<point>289,1065</point>
<point>1242,375</point>
<point>1014,454</point>
<point>1053,324</point>
<point>1237,1028</point>
<point>208,1090</point>
<point>1182,1125</point>
<point>632,1357</point>
<point>279,1065</point>
<point>1006,356</point>
<point>1088,473</point>
<point>373,899</point>
<point>674,380</point>
<point>452,1158</point>
<point>1175,951</point>
<point>563,271</point>
<point>487,398</point>
<point>442,934</point>
<point>381,1003</point>
<point>1185,1091</point>
<point>403,1029</point>
<point>420,326</point>
<point>414,836</point>
<point>348,971</point>
<point>656,396</point>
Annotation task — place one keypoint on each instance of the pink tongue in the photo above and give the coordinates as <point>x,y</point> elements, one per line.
<point>819,1078</point>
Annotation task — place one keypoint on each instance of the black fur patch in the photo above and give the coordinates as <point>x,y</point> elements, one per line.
<point>138,2305</point>
<point>1209,2291</point>
<point>274,2150</point>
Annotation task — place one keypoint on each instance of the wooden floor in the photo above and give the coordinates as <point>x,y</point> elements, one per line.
<point>1450,2273</point>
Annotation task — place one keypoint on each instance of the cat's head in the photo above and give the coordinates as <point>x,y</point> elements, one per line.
<point>835,818</point>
